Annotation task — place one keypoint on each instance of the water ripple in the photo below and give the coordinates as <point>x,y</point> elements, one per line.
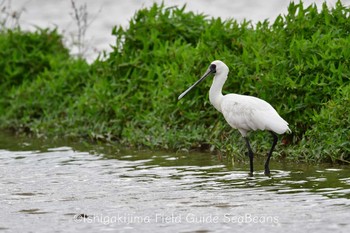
<point>62,183</point>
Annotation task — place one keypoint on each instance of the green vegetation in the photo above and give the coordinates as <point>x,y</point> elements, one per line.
<point>300,63</point>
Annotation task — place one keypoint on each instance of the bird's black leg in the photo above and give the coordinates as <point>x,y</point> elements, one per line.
<point>251,155</point>
<point>267,163</point>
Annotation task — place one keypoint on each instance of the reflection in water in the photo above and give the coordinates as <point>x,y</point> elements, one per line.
<point>92,188</point>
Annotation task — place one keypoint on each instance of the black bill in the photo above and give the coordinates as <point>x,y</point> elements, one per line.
<point>209,71</point>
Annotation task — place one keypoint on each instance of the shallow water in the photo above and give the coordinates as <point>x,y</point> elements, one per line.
<point>65,187</point>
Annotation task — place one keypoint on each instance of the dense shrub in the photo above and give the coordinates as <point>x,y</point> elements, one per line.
<point>25,55</point>
<point>38,80</point>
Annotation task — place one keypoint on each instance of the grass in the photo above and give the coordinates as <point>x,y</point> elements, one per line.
<point>299,63</point>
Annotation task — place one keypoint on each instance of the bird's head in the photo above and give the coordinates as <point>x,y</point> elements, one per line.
<point>217,67</point>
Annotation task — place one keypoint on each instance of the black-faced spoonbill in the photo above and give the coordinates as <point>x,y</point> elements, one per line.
<point>242,112</point>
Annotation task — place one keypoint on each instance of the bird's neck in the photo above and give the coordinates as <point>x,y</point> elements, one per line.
<point>215,92</point>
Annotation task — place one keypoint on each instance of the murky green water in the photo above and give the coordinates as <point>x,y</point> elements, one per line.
<point>71,188</point>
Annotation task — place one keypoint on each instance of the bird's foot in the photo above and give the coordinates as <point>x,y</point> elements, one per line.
<point>267,172</point>
<point>250,174</point>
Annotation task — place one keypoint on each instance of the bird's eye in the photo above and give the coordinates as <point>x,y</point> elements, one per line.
<point>212,68</point>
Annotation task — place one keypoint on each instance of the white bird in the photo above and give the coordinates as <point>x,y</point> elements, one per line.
<point>242,112</point>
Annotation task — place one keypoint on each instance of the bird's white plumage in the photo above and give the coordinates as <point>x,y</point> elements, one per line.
<point>243,112</point>
<point>247,113</point>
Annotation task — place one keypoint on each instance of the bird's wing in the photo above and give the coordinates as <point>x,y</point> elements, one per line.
<point>250,113</point>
